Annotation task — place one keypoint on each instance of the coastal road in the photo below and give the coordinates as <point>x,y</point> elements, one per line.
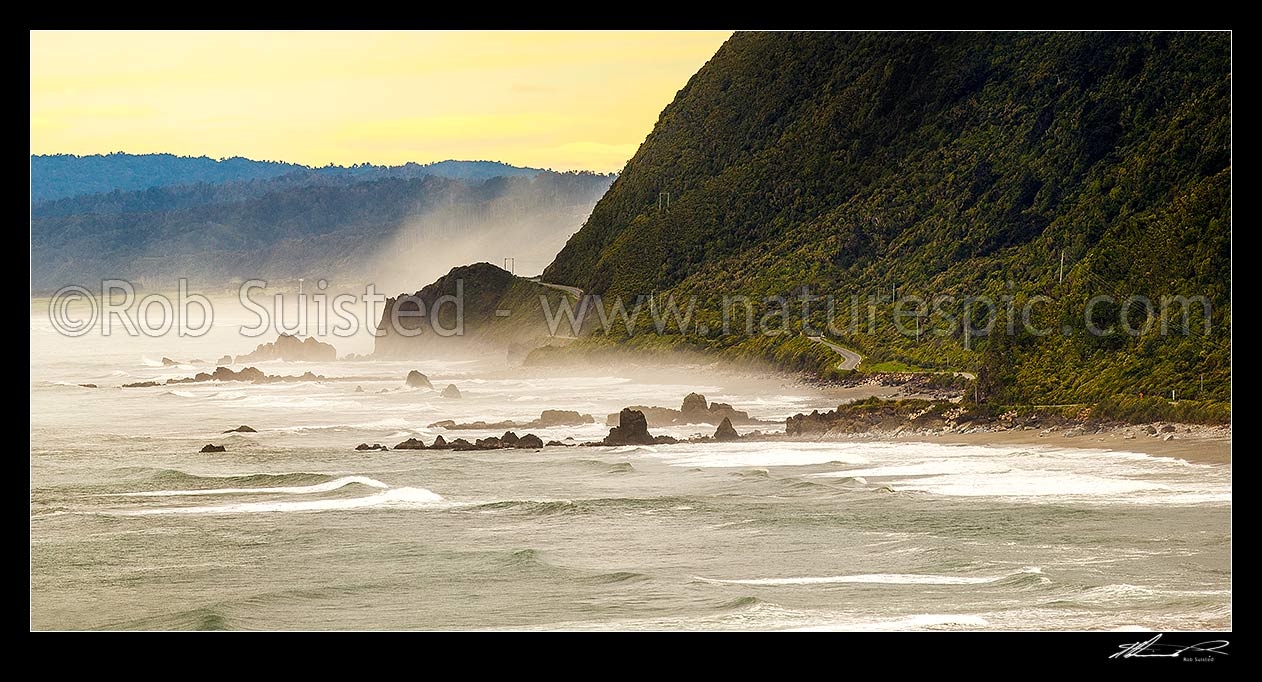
<point>573,291</point>
<point>849,358</point>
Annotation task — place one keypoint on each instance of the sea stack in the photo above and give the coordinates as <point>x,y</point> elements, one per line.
<point>417,380</point>
<point>725,431</point>
<point>632,429</point>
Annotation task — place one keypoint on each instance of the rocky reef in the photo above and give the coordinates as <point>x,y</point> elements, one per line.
<point>250,374</point>
<point>633,429</point>
<point>693,410</point>
<point>288,348</point>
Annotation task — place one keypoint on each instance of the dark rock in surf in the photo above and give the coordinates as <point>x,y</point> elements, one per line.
<point>359,389</point>
<point>143,384</point>
<point>451,391</point>
<point>411,444</point>
<point>560,418</point>
<point>509,439</point>
<point>725,432</point>
<point>461,444</point>
<point>417,380</point>
<point>440,443</point>
<point>241,429</point>
<point>168,362</point>
<point>374,446</point>
<point>214,448</point>
<point>491,443</point>
<point>88,385</point>
<point>694,403</point>
<point>530,440</point>
<point>632,429</point>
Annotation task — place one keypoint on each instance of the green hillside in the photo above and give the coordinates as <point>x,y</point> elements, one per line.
<point>940,164</point>
<point>472,307</point>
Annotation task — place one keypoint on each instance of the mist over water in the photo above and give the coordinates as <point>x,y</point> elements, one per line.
<point>132,527</point>
<point>517,225</point>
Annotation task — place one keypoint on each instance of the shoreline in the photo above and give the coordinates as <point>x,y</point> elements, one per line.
<point>1192,443</point>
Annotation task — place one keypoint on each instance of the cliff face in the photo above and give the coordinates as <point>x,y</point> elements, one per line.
<point>851,163</point>
<point>473,307</point>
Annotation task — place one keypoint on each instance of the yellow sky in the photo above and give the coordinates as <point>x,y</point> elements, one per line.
<point>562,100</point>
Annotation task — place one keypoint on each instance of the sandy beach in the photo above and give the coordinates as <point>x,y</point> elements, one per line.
<point>1210,445</point>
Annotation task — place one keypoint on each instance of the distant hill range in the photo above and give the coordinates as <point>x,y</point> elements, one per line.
<point>57,176</point>
<point>220,222</point>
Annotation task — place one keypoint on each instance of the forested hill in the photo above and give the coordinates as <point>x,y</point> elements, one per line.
<point>855,163</point>
<point>395,232</point>
<point>58,176</point>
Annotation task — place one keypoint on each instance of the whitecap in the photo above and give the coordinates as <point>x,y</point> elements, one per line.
<point>395,497</point>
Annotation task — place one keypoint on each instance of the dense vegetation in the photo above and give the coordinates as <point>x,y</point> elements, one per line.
<point>954,164</point>
<point>57,176</point>
<point>464,310</point>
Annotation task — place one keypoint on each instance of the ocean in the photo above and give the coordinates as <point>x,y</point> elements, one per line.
<point>292,529</point>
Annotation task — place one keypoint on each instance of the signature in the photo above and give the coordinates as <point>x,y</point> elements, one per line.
<point>1154,649</point>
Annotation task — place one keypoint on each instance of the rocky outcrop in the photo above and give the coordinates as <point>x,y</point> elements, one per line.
<point>548,419</point>
<point>632,429</point>
<point>694,403</point>
<point>168,362</point>
<point>88,385</point>
<point>451,425</point>
<point>726,432</point>
<point>225,360</point>
<point>359,389</point>
<point>451,391</point>
<point>462,309</point>
<point>509,440</point>
<point>211,447</point>
<point>288,348</point>
<point>417,380</point>
<point>241,429</point>
<point>693,410</point>
<point>374,446</point>
<point>250,374</point>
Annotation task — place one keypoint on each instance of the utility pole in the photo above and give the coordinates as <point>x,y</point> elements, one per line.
<point>1061,278</point>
